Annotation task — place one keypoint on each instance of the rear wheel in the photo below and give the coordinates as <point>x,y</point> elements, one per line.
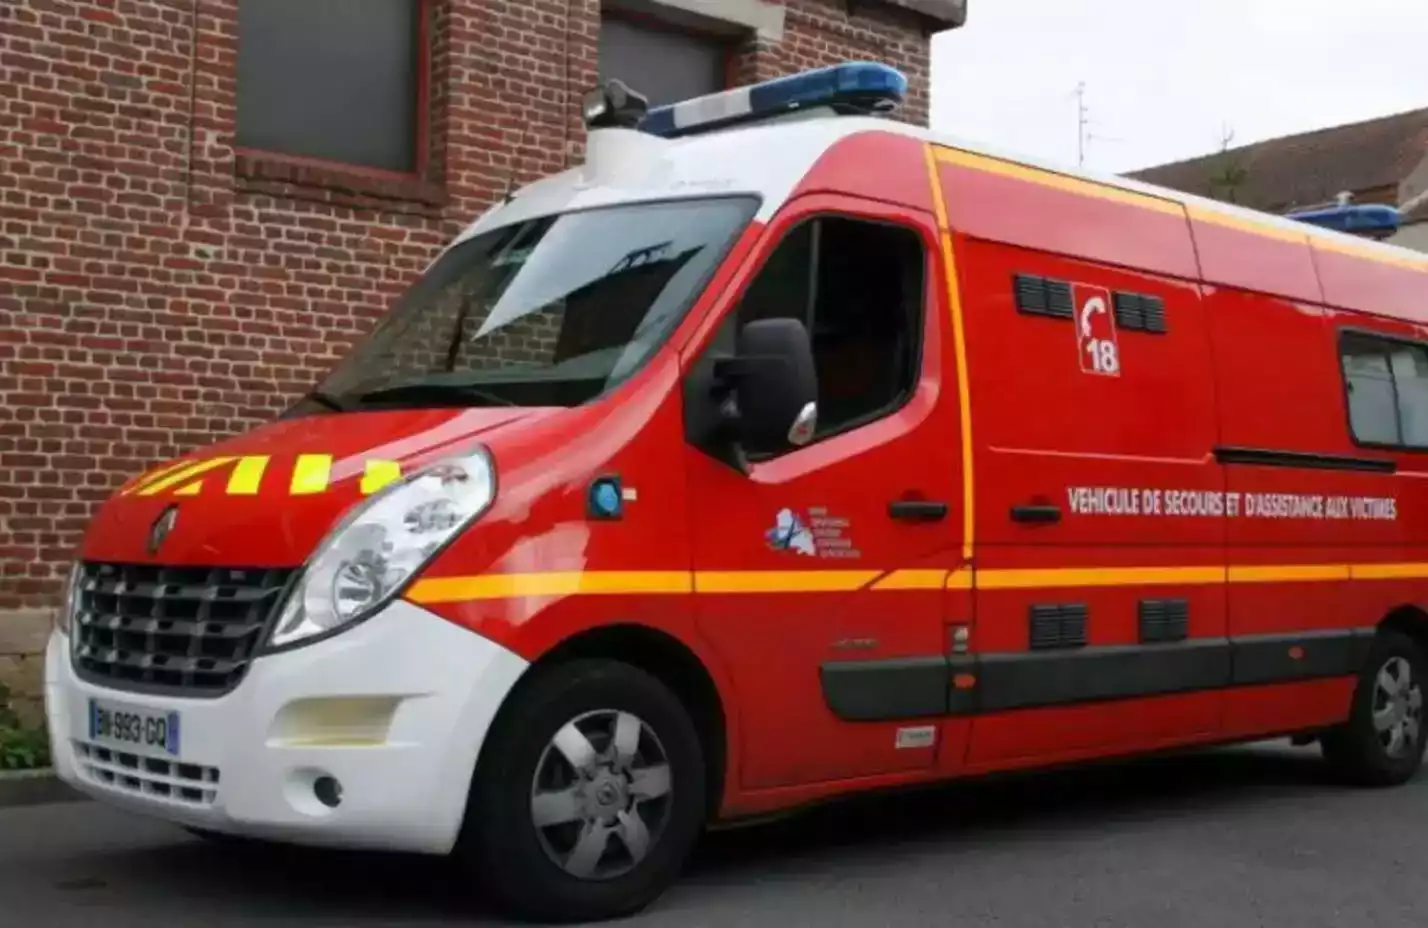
<point>1383,741</point>
<point>589,796</point>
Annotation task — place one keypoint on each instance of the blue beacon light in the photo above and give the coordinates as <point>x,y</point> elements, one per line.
<point>858,87</point>
<point>1369,220</point>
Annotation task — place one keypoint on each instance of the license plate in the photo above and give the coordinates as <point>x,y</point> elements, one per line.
<point>130,727</point>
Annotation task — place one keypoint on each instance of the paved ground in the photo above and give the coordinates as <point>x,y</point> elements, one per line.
<point>1250,837</point>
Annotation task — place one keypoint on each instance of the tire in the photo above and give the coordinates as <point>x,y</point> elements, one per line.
<point>1360,751</point>
<point>535,873</point>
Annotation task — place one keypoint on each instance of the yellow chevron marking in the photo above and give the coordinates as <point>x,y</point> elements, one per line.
<point>380,474</point>
<point>183,475</point>
<point>311,474</point>
<point>139,482</point>
<point>247,476</point>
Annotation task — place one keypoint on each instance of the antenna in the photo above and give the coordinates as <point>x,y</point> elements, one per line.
<point>1082,123</point>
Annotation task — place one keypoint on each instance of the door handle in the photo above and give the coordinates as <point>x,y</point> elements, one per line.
<point>917,510</point>
<point>1037,515</point>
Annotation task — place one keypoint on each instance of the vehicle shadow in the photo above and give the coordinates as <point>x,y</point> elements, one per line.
<point>975,815</point>
<point>320,887</point>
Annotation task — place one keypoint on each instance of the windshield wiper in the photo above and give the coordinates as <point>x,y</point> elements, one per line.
<point>440,391</point>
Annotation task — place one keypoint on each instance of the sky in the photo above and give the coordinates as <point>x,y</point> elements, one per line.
<point>1166,79</point>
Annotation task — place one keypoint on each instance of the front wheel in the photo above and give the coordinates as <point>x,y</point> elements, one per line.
<point>589,795</point>
<point>1383,741</point>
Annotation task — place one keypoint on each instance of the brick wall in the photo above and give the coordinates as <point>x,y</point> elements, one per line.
<point>159,291</point>
<point>822,32</point>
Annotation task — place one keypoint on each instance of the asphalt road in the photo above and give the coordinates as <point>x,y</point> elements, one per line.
<point>1247,837</point>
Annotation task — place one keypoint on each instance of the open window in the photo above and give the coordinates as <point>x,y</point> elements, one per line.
<point>858,286</point>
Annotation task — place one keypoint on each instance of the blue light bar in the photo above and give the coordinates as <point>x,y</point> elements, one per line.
<point>1369,220</point>
<point>860,87</point>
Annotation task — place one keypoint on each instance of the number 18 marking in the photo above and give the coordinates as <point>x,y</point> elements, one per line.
<point>1104,358</point>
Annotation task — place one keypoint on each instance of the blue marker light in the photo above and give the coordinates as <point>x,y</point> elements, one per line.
<point>606,498</point>
<point>856,87</point>
<point>1369,220</point>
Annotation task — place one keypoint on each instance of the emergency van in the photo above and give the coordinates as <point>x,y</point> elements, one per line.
<point>778,451</point>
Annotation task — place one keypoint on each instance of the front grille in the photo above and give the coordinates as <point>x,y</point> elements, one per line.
<point>187,631</point>
<point>190,784</point>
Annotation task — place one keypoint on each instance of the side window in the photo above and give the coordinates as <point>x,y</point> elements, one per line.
<point>858,287</point>
<point>1387,384</point>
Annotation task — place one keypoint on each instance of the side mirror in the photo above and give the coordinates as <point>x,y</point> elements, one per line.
<point>772,399</point>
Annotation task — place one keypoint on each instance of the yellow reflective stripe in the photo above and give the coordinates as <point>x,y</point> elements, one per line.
<point>1240,224</point>
<point>569,583</point>
<point>782,581</point>
<point>1341,244</point>
<point>379,474</point>
<point>311,474</point>
<point>1042,177</point>
<point>913,580</point>
<point>1281,573</point>
<point>190,489</point>
<point>182,475</point>
<point>247,476</point>
<point>1388,571</point>
<point>509,586</point>
<point>959,346</point>
<point>1096,577</point>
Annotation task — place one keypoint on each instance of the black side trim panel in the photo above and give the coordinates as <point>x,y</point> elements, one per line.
<point>876,691</point>
<point>925,687</point>
<point>1300,656</point>
<point>1267,458</point>
<point>1022,681</point>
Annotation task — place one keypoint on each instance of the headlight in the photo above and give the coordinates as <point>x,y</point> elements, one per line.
<point>383,543</point>
<point>64,618</point>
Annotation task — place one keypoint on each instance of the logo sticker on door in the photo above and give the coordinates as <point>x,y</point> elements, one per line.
<point>1096,343</point>
<point>791,534</point>
<point>819,534</point>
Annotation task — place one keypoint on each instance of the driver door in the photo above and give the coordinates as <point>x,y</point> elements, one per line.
<point>821,570</point>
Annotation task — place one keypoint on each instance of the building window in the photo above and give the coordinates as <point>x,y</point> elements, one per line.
<point>661,61</point>
<point>335,80</point>
<point>858,287</point>
<point>1387,383</point>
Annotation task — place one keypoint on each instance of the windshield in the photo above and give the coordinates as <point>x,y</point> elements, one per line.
<point>547,312</point>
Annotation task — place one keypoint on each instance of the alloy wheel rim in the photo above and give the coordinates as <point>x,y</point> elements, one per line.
<point>601,795</point>
<point>1397,707</point>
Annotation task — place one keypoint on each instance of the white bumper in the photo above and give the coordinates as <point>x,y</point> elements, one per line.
<point>395,709</point>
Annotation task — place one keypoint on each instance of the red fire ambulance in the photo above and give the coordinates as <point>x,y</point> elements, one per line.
<point>779,451</point>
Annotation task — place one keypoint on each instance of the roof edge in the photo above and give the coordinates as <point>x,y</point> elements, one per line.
<point>1247,147</point>
<point>946,14</point>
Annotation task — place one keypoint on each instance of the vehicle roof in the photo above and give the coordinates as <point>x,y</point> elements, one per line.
<point>770,159</point>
